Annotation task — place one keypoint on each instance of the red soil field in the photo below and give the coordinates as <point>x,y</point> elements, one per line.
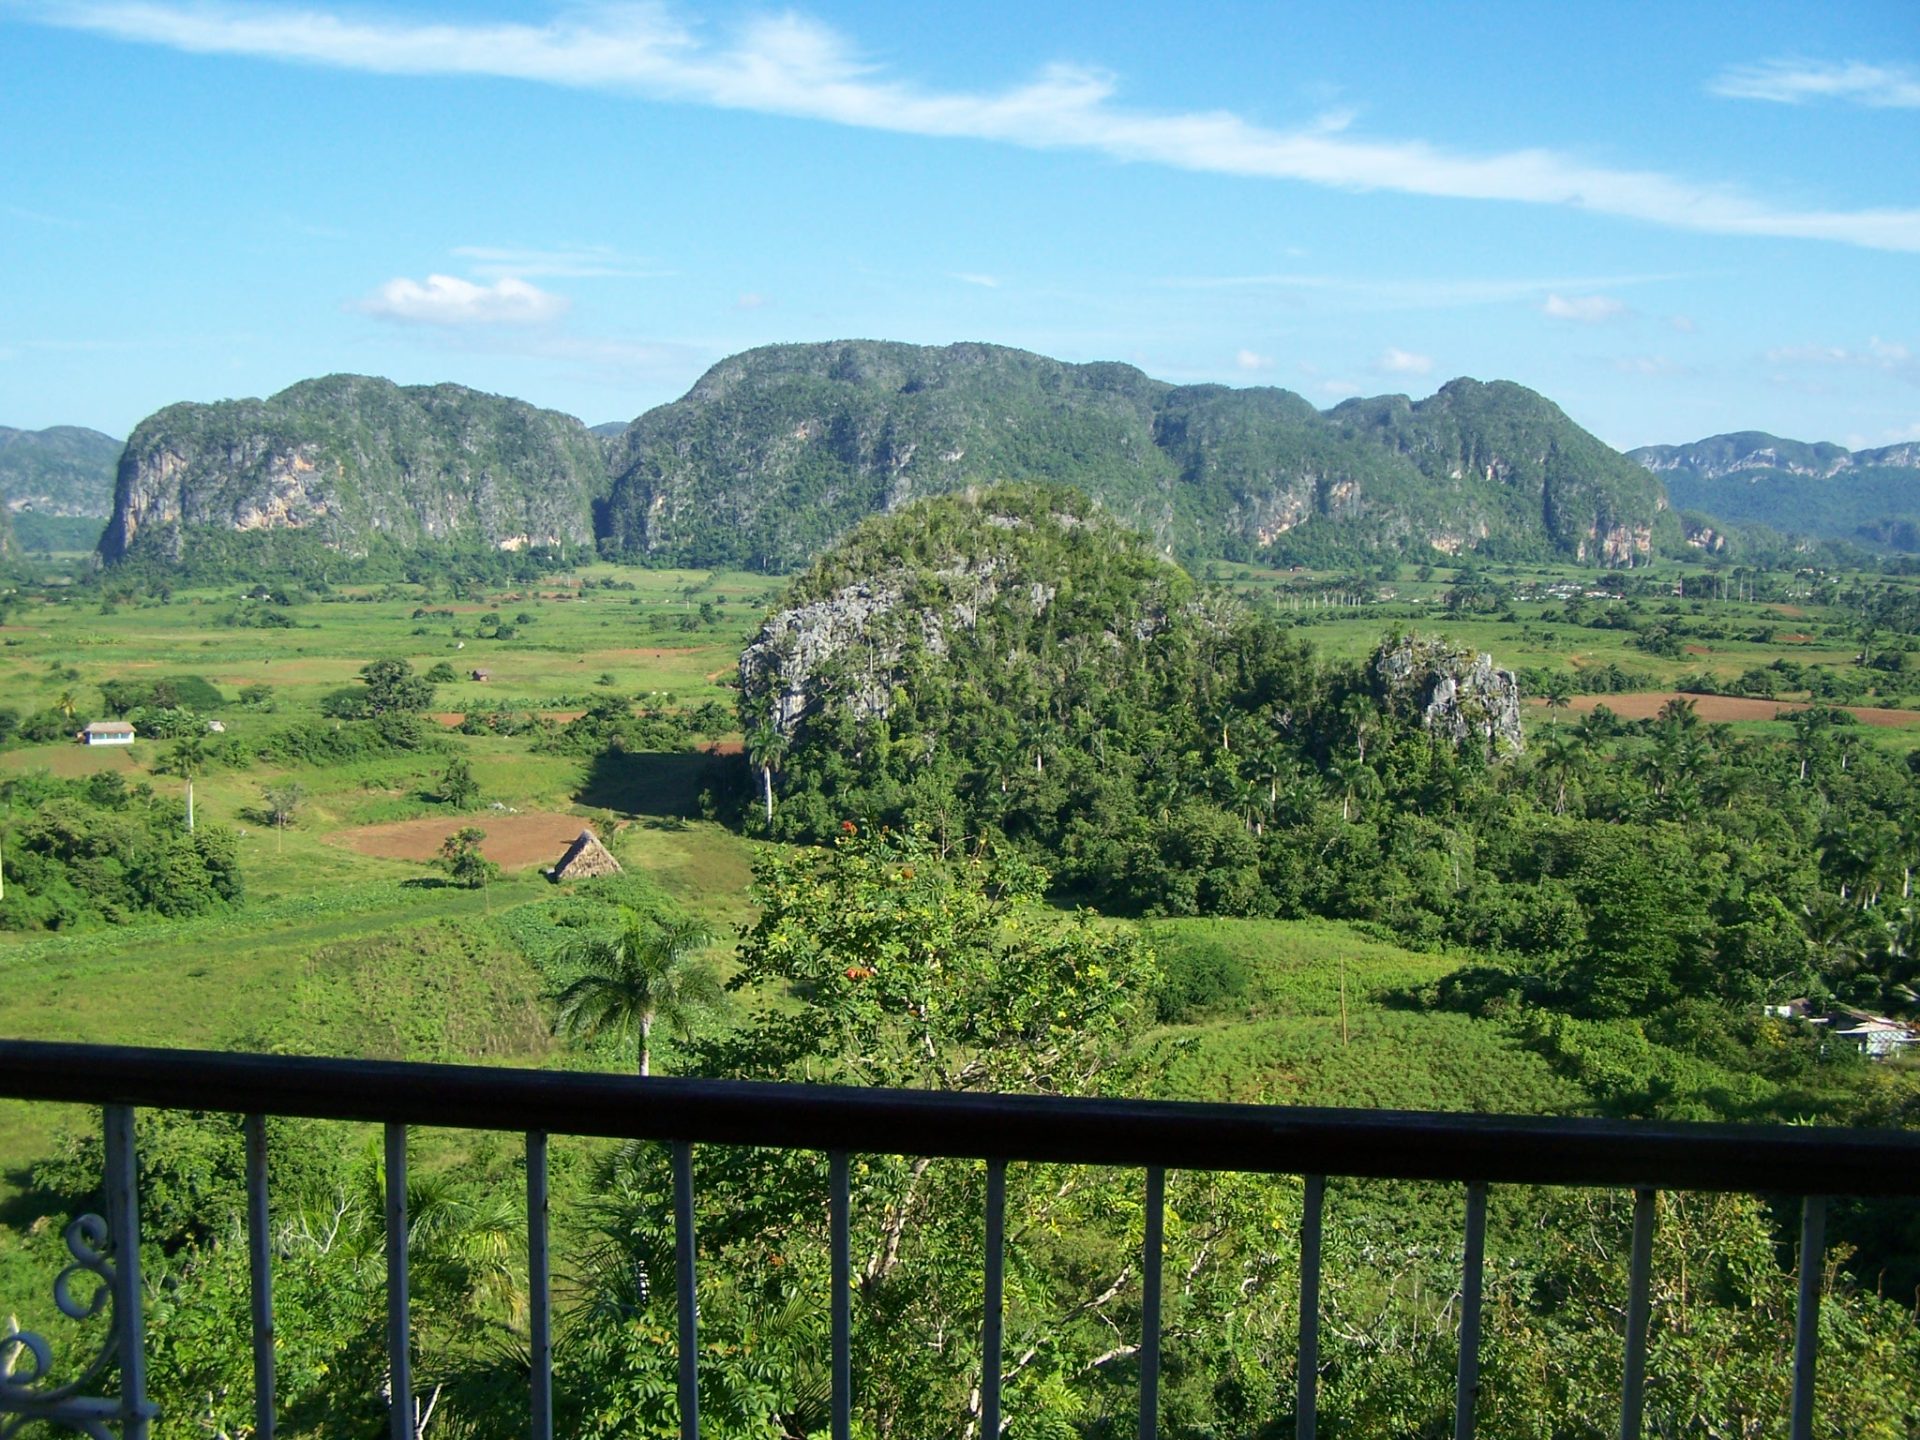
<point>1645,705</point>
<point>513,841</point>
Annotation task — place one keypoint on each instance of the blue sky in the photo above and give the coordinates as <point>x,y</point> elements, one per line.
<point>1673,219</point>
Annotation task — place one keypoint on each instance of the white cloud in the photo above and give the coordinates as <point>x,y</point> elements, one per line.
<point>448,300</point>
<point>579,262</point>
<point>985,282</point>
<point>791,65</point>
<point>1585,309</point>
<point>1253,360</point>
<point>1395,361</point>
<point>750,300</point>
<point>1795,82</point>
<point>1886,356</point>
<point>1372,293</point>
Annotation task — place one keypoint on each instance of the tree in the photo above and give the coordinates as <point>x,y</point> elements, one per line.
<point>458,788</point>
<point>283,802</point>
<point>766,748</point>
<point>647,974</point>
<point>392,686</point>
<point>460,857</point>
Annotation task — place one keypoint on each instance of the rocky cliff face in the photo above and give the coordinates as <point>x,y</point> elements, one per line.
<point>64,470</point>
<point>776,452</point>
<point>356,461</point>
<point>1807,490</point>
<point>1455,693</point>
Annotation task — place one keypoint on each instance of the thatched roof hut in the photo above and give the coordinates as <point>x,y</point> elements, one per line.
<point>585,858</point>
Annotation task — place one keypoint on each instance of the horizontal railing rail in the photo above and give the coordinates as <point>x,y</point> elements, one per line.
<point>1183,1135</point>
<point>1156,1136</point>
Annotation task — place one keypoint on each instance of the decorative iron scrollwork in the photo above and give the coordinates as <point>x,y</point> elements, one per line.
<point>26,1358</point>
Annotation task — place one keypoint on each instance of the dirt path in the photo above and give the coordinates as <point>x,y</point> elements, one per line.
<point>513,841</point>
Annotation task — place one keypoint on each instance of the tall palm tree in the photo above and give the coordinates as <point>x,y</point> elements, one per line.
<point>643,976</point>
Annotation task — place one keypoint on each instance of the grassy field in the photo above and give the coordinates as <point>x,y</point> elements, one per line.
<point>1320,1023</point>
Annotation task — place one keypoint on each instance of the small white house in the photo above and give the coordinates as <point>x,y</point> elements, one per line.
<point>106,732</point>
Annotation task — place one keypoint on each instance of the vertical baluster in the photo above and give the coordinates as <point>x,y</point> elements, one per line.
<point>1467,1383</point>
<point>1307,1370</point>
<point>1151,1248</point>
<point>123,1225</point>
<point>1806,1337</point>
<point>399,1299</point>
<point>260,1270</point>
<point>838,1208</point>
<point>685,1284</point>
<point>991,1344</point>
<point>1633,1388</point>
<point>539,1288</point>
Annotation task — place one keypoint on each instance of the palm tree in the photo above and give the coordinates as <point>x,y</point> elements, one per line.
<point>766,748</point>
<point>643,976</point>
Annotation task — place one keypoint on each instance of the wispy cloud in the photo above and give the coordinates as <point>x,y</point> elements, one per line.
<point>985,282</point>
<point>1253,360</point>
<point>1439,293</point>
<point>750,300</point>
<point>1395,361</point>
<point>449,300</point>
<point>583,262</point>
<point>1583,309</point>
<point>789,64</point>
<point>1887,356</point>
<point>1797,82</point>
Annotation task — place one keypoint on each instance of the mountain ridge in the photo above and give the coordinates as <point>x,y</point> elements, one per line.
<point>775,453</point>
<point>1816,489</point>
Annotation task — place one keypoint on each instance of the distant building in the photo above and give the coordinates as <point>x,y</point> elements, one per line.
<point>1874,1036</point>
<point>106,732</point>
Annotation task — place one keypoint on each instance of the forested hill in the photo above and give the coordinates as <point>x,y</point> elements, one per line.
<point>1011,669</point>
<point>357,462</point>
<point>1821,490</point>
<point>63,470</point>
<point>777,451</point>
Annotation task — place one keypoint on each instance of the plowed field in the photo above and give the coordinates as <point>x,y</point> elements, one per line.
<point>513,841</point>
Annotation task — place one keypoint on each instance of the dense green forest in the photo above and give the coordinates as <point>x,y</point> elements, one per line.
<point>1014,667</point>
<point>1023,806</point>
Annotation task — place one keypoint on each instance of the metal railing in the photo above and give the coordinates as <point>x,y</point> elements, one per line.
<point>1157,1136</point>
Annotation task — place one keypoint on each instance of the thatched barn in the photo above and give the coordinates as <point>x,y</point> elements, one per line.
<point>585,858</point>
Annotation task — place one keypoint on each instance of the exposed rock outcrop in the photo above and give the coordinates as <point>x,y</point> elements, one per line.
<point>1454,692</point>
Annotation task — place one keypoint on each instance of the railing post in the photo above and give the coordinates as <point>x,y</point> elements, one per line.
<point>1806,1336</point>
<point>686,1284</point>
<point>992,1345</point>
<point>260,1273</point>
<point>539,1289</point>
<point>1307,1369</point>
<point>839,1205</point>
<point>1633,1385</point>
<point>400,1423</point>
<point>1466,1388</point>
<point>123,1224</point>
<point>1151,1254</point>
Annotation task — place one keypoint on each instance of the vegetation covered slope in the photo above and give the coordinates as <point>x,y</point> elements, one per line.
<point>1822,490</point>
<point>777,451</point>
<point>63,470</point>
<point>1013,668</point>
<point>357,462</point>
